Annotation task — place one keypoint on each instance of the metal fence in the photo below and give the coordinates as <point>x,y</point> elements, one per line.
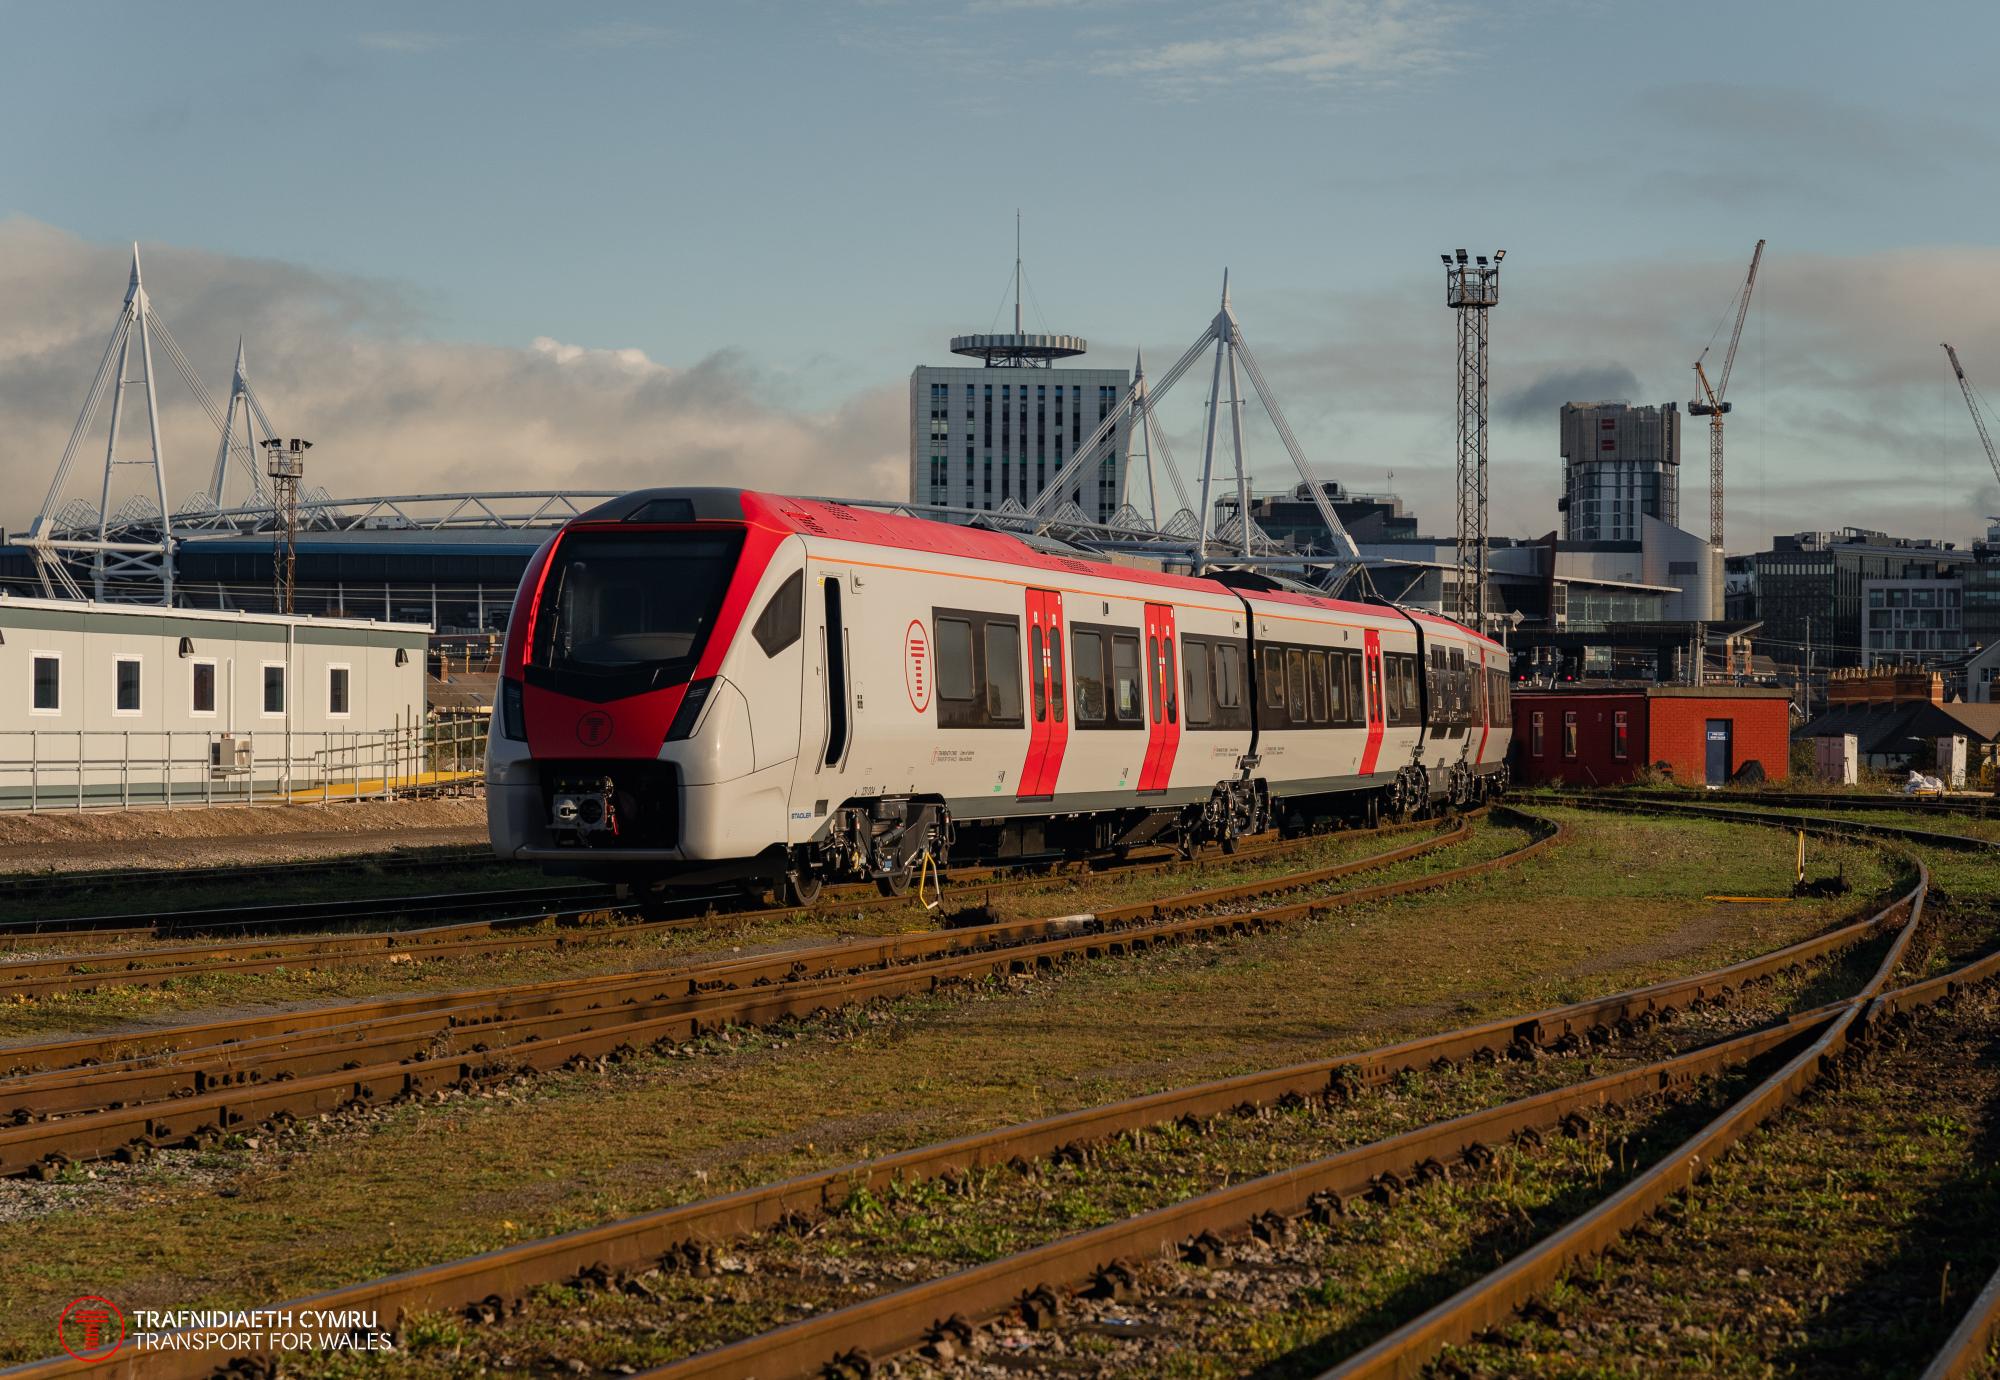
<point>73,770</point>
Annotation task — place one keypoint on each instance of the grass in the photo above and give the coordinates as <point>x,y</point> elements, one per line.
<point>1854,1231</point>
<point>1618,905</point>
<point>191,997</point>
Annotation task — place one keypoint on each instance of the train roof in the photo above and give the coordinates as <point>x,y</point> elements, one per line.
<point>842,522</point>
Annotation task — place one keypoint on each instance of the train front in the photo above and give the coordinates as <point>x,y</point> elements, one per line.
<point>622,747</point>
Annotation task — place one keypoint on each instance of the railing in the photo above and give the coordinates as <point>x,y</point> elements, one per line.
<point>52,769</point>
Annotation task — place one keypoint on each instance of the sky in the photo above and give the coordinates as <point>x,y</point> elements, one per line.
<point>496,246</point>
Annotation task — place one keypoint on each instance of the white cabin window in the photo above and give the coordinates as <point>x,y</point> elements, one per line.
<point>337,678</point>
<point>274,689</point>
<point>126,685</point>
<point>47,683</point>
<point>201,688</point>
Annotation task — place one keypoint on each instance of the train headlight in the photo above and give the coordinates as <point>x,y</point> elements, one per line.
<point>690,710</point>
<point>513,711</point>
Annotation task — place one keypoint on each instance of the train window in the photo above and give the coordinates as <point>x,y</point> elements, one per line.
<point>1461,690</point>
<point>1357,707</point>
<point>1274,678</point>
<point>1569,733</point>
<point>1089,648</point>
<point>1153,676</point>
<point>1316,696</point>
<point>1003,671</point>
<point>1056,690</point>
<point>1037,686</point>
<point>954,659</point>
<point>1413,705</point>
<point>1125,706</point>
<point>629,607</point>
<point>1171,679</point>
<point>1228,676</point>
<point>1535,734</point>
<point>1195,671</point>
<point>1295,683</point>
<point>1392,690</point>
<point>777,627</point>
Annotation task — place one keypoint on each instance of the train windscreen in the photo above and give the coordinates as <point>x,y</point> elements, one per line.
<point>631,605</point>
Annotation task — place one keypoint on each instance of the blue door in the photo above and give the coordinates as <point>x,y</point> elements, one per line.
<point>1718,751</point>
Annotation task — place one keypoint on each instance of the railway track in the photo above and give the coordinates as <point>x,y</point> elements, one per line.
<point>1622,803</point>
<point>1979,807</point>
<point>22,887</point>
<point>490,1287</point>
<point>576,907</point>
<point>117,1096</point>
<point>1035,1286</point>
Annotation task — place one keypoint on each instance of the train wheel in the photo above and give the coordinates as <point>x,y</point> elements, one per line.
<point>897,883</point>
<point>800,888</point>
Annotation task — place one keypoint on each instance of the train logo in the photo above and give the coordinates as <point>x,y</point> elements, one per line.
<point>594,728</point>
<point>91,1329</point>
<point>916,665</point>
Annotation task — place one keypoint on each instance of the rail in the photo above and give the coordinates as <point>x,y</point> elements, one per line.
<point>486,1287</point>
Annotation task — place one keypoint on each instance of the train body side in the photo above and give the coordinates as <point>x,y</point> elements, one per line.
<point>840,691</point>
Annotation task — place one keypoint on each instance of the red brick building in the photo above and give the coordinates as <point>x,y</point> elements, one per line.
<point>1696,734</point>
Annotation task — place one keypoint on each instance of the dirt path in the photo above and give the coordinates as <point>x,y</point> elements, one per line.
<point>230,835</point>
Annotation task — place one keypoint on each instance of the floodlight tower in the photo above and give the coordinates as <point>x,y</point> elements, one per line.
<point>285,463</point>
<point>1471,289</point>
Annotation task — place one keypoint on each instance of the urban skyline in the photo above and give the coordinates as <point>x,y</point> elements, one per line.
<point>530,312</point>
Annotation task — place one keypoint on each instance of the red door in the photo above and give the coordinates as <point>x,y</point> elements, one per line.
<point>1163,696</point>
<point>1048,716</point>
<point>1371,681</point>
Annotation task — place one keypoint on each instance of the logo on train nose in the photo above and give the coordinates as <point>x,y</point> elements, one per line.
<point>916,666</point>
<point>594,728</point>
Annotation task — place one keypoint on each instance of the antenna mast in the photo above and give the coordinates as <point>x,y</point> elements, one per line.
<point>1017,270</point>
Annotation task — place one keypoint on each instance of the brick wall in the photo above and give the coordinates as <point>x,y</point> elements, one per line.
<point>1596,761</point>
<point>1669,728</point>
<point>1760,731</point>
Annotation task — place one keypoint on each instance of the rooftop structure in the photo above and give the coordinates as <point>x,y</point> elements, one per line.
<point>1620,463</point>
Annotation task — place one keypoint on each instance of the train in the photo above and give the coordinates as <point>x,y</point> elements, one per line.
<point>720,686</point>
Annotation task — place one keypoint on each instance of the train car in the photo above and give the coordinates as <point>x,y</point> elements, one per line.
<point>720,685</point>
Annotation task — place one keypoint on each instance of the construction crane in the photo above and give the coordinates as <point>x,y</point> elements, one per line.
<point>1972,405</point>
<point>1711,405</point>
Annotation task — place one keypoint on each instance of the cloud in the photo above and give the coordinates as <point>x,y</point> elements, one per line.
<point>1315,41</point>
<point>349,363</point>
<point>1588,383</point>
<point>621,35</point>
<point>404,41</point>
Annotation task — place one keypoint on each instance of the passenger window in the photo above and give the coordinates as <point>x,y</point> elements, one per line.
<point>1153,675</point>
<point>1056,690</point>
<point>1090,704</point>
<point>1037,687</point>
<point>1274,678</point>
<point>1228,676</point>
<point>1316,689</point>
<point>1357,707</point>
<point>1125,679</point>
<point>1295,683</point>
<point>777,627</point>
<point>954,659</point>
<point>1195,664</point>
<point>1003,671</point>
<point>1170,678</point>
<point>1392,692</point>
